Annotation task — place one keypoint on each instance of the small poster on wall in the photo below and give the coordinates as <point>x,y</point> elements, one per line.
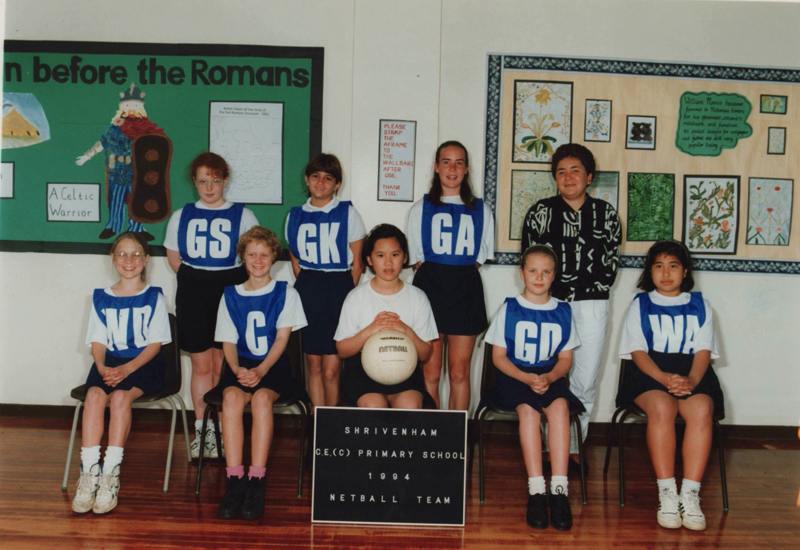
<point>397,149</point>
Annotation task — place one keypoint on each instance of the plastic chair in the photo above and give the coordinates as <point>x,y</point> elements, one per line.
<point>634,413</point>
<point>170,395</point>
<point>285,405</point>
<point>485,413</point>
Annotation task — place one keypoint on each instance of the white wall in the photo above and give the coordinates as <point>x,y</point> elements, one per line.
<point>422,60</point>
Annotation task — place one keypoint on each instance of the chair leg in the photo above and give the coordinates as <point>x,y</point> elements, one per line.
<point>610,440</point>
<point>168,466</point>
<point>579,438</point>
<point>71,446</point>
<point>621,458</point>
<point>301,451</point>
<point>481,463</point>
<point>202,450</point>
<point>723,477</point>
<point>179,400</point>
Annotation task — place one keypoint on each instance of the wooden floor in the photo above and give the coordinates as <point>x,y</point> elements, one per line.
<point>34,513</point>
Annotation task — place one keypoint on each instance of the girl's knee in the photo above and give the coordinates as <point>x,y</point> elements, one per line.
<point>458,373</point>
<point>263,399</point>
<point>372,401</point>
<point>233,399</point>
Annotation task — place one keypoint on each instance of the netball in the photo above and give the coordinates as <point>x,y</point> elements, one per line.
<point>389,357</point>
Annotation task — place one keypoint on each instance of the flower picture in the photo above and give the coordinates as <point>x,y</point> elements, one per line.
<point>597,120</point>
<point>527,188</point>
<point>711,213</point>
<point>769,211</point>
<point>542,119</point>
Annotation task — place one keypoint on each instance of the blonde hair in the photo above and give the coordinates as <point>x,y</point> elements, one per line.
<point>261,234</point>
<point>139,239</point>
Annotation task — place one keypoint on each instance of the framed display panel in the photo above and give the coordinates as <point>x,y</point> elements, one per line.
<point>260,106</point>
<point>709,122</point>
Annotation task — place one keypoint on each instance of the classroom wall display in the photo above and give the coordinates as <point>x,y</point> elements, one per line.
<point>101,135</point>
<point>597,121</point>
<point>769,211</point>
<point>605,186</point>
<point>397,150</point>
<point>651,205</point>
<point>676,122</point>
<point>527,187</point>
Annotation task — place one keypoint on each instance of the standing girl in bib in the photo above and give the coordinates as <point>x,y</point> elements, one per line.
<point>128,323</point>
<point>325,237</point>
<point>254,322</point>
<point>669,335</point>
<point>201,247</point>
<point>533,337</point>
<point>451,233</point>
<point>384,303</point>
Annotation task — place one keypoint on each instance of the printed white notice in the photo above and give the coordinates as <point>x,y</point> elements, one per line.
<point>249,135</point>
<point>7,181</point>
<point>396,164</point>
<point>73,202</point>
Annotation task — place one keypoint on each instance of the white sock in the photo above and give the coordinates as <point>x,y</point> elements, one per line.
<point>113,458</point>
<point>198,425</point>
<point>89,457</point>
<point>667,484</point>
<point>559,485</point>
<point>536,485</point>
<point>688,485</point>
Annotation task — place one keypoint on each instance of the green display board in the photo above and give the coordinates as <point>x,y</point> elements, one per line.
<point>259,106</point>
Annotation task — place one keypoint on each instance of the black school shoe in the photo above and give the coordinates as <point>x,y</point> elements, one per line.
<point>253,505</point>
<point>560,513</point>
<point>537,511</point>
<point>231,504</point>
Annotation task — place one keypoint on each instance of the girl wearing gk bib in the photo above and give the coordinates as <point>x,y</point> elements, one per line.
<point>325,237</point>
<point>201,247</point>
<point>384,303</point>
<point>254,322</point>
<point>669,335</point>
<point>128,323</point>
<point>533,337</point>
<point>451,233</point>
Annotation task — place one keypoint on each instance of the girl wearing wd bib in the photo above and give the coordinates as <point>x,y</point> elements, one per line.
<point>385,302</point>
<point>201,247</point>
<point>325,237</point>
<point>254,322</point>
<point>533,337</point>
<point>451,233</point>
<point>128,323</point>
<point>669,335</point>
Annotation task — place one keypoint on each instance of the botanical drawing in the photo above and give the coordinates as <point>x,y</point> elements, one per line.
<point>542,119</point>
<point>769,212</point>
<point>776,141</point>
<point>711,213</point>
<point>605,186</point>
<point>651,199</point>
<point>597,125</point>
<point>527,188</point>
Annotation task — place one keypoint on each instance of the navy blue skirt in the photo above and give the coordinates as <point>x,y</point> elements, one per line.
<point>636,382</point>
<point>322,294</point>
<point>197,302</point>
<point>149,377</point>
<point>356,382</point>
<point>278,378</point>
<point>456,296</point>
<point>509,393</point>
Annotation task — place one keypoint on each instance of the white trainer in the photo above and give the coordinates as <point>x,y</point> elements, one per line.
<point>106,499</point>
<point>194,449</point>
<point>693,517</point>
<point>83,501</point>
<point>211,450</point>
<point>668,515</point>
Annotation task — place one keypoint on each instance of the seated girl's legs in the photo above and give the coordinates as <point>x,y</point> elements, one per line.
<point>316,388</point>
<point>331,369</point>
<point>557,414</point>
<point>459,356</point>
<point>661,409</point>
<point>261,435</point>
<point>94,408</point>
<point>409,399</point>
<point>373,401</point>
<point>698,413</point>
<point>530,439</point>
<point>119,425</point>
<point>206,368</point>
<point>432,369</point>
<point>233,403</point>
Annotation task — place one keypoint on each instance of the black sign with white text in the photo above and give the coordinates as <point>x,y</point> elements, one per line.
<point>389,466</point>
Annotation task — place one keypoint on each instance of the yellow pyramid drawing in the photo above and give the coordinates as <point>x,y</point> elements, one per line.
<point>16,125</point>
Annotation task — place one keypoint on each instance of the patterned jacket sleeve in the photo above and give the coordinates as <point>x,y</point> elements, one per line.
<point>535,226</point>
<point>612,233</point>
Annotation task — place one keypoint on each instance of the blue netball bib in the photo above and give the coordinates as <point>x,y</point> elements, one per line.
<point>126,319</point>
<point>256,319</point>
<point>319,239</point>
<point>671,329</point>
<point>534,337</point>
<point>207,238</point>
<point>451,233</point>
